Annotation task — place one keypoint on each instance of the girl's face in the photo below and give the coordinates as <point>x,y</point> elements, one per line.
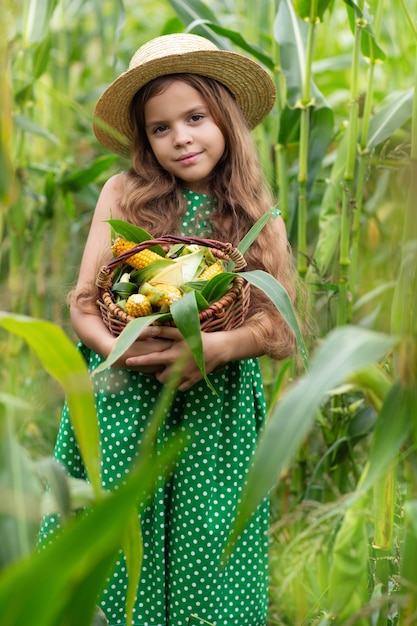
<point>183,136</point>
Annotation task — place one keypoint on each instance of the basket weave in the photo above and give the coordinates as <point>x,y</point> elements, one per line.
<point>227,313</point>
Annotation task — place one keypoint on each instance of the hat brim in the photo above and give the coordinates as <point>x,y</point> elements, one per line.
<point>250,84</point>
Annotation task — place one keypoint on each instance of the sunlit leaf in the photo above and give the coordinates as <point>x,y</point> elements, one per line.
<point>63,362</point>
<point>37,16</point>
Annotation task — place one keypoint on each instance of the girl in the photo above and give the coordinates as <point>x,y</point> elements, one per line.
<point>183,112</point>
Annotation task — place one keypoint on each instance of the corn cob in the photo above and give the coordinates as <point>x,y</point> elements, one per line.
<point>138,305</point>
<point>211,270</point>
<point>170,294</point>
<point>161,295</point>
<point>140,259</point>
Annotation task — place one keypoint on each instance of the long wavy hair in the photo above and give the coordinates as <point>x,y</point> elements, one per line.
<point>153,198</point>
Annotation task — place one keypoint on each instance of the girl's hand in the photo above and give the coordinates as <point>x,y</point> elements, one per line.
<point>164,360</point>
<point>142,349</point>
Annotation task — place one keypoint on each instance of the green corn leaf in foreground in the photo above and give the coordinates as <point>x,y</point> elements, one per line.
<point>88,546</point>
<point>344,351</point>
<point>63,362</point>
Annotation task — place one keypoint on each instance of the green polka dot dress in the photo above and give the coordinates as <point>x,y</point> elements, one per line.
<point>188,521</point>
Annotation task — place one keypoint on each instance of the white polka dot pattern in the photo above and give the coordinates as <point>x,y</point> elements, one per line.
<point>186,525</point>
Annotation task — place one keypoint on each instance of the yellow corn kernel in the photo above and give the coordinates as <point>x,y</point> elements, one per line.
<point>140,259</point>
<point>138,305</point>
<point>170,294</point>
<point>211,270</point>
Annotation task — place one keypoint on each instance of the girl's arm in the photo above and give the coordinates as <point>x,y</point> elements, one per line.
<point>85,316</point>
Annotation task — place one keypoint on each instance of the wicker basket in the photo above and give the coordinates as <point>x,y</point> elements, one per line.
<point>227,313</point>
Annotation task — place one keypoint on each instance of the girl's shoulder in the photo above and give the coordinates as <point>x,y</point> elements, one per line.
<point>116,183</point>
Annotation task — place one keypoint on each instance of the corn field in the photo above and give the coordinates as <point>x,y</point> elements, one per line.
<point>339,149</point>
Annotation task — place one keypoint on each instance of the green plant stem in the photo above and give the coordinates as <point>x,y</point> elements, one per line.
<point>345,218</point>
<point>306,105</point>
<point>281,161</point>
<point>363,161</point>
<point>403,318</point>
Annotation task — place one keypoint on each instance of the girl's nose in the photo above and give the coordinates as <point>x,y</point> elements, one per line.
<point>182,136</point>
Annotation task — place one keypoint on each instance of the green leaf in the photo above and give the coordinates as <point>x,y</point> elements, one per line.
<point>279,296</point>
<point>82,177</point>
<point>61,360</point>
<point>390,117</point>
<point>202,303</point>
<point>134,233</point>
<point>303,9</point>
<point>133,550</point>
<point>239,41</point>
<point>252,234</point>
<point>185,315</point>
<point>369,46</point>
<point>348,588</point>
<point>37,16</point>
<point>88,546</point>
<point>146,273</point>
<point>344,351</point>
<point>19,502</point>
<point>127,337</point>
<point>124,289</point>
<point>194,14</point>
<point>217,286</point>
<point>28,126</point>
<point>329,219</point>
<point>392,430</point>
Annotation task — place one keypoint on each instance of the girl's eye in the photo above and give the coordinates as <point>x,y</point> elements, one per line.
<point>196,117</point>
<point>159,129</point>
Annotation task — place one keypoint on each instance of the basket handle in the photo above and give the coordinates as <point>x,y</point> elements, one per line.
<point>233,253</point>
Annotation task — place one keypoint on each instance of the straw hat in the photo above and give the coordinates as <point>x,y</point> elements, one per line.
<point>174,54</point>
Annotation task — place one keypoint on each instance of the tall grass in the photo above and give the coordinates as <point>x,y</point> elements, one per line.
<point>339,150</point>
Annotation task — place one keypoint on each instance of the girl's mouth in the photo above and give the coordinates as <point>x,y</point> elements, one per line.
<point>188,159</point>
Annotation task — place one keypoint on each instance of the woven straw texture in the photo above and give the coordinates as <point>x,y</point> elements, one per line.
<point>250,84</point>
<point>227,313</point>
